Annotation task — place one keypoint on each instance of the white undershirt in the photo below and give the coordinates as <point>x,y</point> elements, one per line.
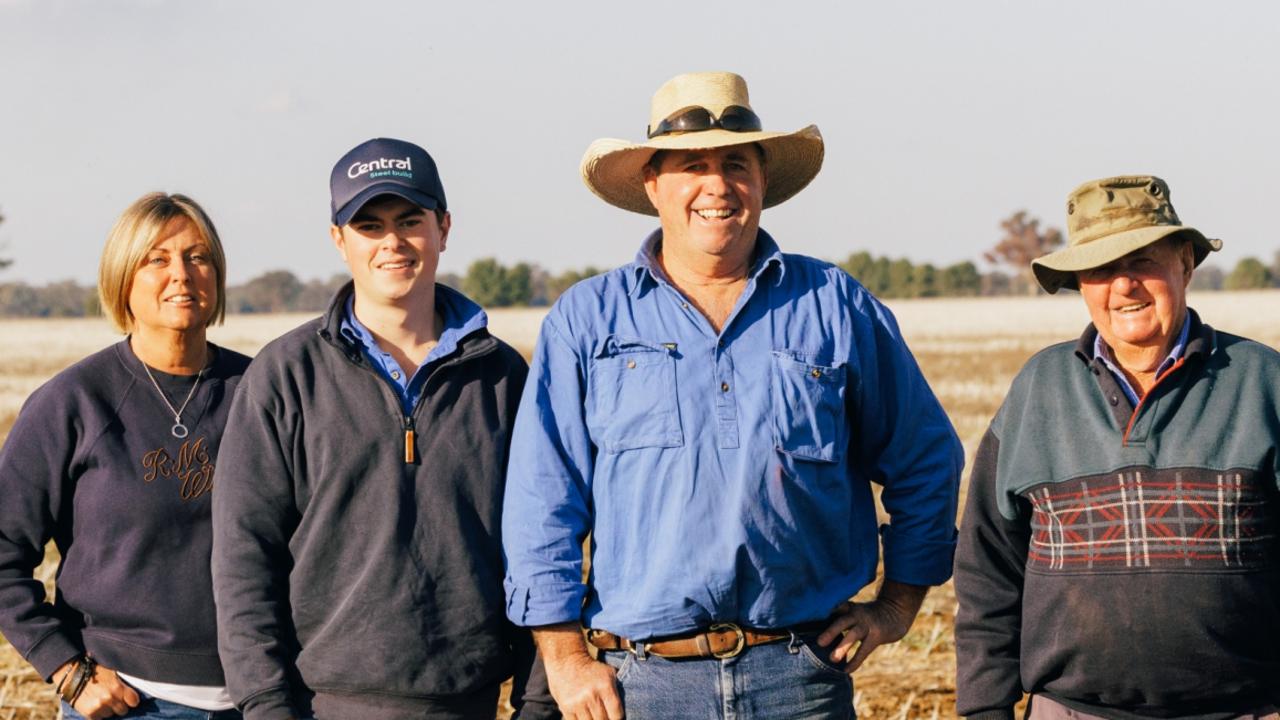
<point>203,697</point>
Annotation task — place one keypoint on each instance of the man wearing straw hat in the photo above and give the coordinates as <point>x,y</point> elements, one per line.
<point>715,414</point>
<point>1118,555</point>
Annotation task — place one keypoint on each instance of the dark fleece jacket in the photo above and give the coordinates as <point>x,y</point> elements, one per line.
<point>343,568</point>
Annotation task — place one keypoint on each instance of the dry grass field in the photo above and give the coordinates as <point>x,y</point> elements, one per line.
<point>968,349</point>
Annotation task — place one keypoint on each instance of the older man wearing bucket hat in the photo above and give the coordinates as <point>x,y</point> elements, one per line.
<point>715,414</point>
<point>1118,555</point>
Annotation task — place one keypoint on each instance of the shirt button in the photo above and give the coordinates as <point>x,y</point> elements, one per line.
<point>724,387</point>
<point>1115,400</point>
<point>684,305</point>
<point>395,374</point>
<point>631,364</point>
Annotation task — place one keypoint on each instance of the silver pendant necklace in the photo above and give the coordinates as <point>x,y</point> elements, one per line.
<point>179,430</point>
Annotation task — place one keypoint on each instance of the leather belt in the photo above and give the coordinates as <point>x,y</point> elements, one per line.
<point>720,640</point>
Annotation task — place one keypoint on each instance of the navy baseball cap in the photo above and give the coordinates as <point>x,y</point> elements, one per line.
<point>383,166</point>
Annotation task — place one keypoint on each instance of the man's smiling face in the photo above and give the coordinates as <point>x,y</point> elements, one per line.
<point>392,248</point>
<point>709,201</point>
<point>1139,300</point>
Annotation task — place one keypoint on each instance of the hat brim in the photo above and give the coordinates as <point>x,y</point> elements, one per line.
<point>421,199</point>
<point>1058,270</point>
<point>614,169</point>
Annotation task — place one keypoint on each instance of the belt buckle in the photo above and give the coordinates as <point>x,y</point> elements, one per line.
<point>737,648</point>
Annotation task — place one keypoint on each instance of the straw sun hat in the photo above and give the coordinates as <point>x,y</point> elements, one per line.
<point>701,111</point>
<point>1110,218</point>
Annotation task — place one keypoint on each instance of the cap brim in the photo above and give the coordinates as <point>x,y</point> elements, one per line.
<point>422,200</point>
<point>1058,270</point>
<point>614,169</point>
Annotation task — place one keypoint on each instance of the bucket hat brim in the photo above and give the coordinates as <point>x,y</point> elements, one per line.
<point>1058,269</point>
<point>614,169</point>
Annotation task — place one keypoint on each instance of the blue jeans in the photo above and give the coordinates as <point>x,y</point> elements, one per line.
<point>157,709</point>
<point>786,680</point>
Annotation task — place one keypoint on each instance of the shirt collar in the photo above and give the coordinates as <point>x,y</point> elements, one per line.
<point>460,316</point>
<point>1101,351</point>
<point>647,270</point>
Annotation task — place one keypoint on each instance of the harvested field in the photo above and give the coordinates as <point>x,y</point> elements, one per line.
<point>969,350</point>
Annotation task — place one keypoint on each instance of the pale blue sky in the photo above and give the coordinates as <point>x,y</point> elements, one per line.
<point>941,118</point>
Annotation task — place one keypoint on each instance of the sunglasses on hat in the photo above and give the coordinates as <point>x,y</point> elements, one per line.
<point>734,118</point>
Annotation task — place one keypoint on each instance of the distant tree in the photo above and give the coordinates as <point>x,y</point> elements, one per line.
<point>996,283</point>
<point>1207,278</point>
<point>453,280</point>
<point>960,280</point>
<point>60,299</point>
<point>19,300</point>
<point>567,279</point>
<point>1275,269</point>
<point>65,299</point>
<point>1248,274</point>
<point>1022,242</point>
<point>485,283</point>
<point>4,261</point>
<point>316,294</point>
<point>538,279</point>
<point>901,279</point>
<point>519,284</point>
<point>924,282</point>
<point>271,292</point>
<point>859,265</point>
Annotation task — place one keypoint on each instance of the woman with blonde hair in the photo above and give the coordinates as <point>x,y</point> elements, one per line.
<point>113,459</point>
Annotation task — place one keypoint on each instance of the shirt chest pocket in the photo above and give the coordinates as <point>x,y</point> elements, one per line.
<point>808,409</point>
<point>631,396</point>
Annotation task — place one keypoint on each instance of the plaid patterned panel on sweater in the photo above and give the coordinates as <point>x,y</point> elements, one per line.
<point>1157,519</point>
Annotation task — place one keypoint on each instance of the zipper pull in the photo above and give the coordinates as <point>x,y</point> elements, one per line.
<point>408,441</point>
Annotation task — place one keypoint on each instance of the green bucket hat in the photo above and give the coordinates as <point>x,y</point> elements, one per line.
<point>1110,218</point>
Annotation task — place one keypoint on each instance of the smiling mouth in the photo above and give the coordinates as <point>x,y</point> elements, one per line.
<point>715,213</point>
<point>397,265</point>
<point>180,299</point>
<point>1133,307</point>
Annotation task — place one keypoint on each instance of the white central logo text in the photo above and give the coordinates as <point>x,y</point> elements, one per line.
<point>360,168</point>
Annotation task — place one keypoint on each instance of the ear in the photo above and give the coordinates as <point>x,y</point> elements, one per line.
<point>651,184</point>
<point>1188,253</point>
<point>445,223</point>
<point>339,242</point>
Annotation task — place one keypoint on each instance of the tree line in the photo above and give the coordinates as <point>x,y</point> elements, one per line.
<point>493,284</point>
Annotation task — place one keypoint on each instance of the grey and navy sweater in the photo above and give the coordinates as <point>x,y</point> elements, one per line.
<point>1124,560</point>
<point>92,464</point>
<point>353,578</point>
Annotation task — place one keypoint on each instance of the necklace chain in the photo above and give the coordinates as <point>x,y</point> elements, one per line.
<point>179,430</point>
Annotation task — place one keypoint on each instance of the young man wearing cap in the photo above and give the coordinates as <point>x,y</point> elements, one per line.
<point>1118,556</point>
<point>715,415</point>
<point>357,562</point>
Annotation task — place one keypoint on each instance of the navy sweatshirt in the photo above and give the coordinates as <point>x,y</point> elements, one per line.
<point>91,463</point>
<point>347,574</point>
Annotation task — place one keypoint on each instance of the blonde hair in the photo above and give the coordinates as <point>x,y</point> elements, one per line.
<point>128,243</point>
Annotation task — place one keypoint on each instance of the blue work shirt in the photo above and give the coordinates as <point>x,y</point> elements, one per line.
<point>460,317</point>
<point>726,477</point>
<point>1102,352</point>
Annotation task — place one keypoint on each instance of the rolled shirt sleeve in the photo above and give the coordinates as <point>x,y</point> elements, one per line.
<point>905,441</point>
<point>547,509</point>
